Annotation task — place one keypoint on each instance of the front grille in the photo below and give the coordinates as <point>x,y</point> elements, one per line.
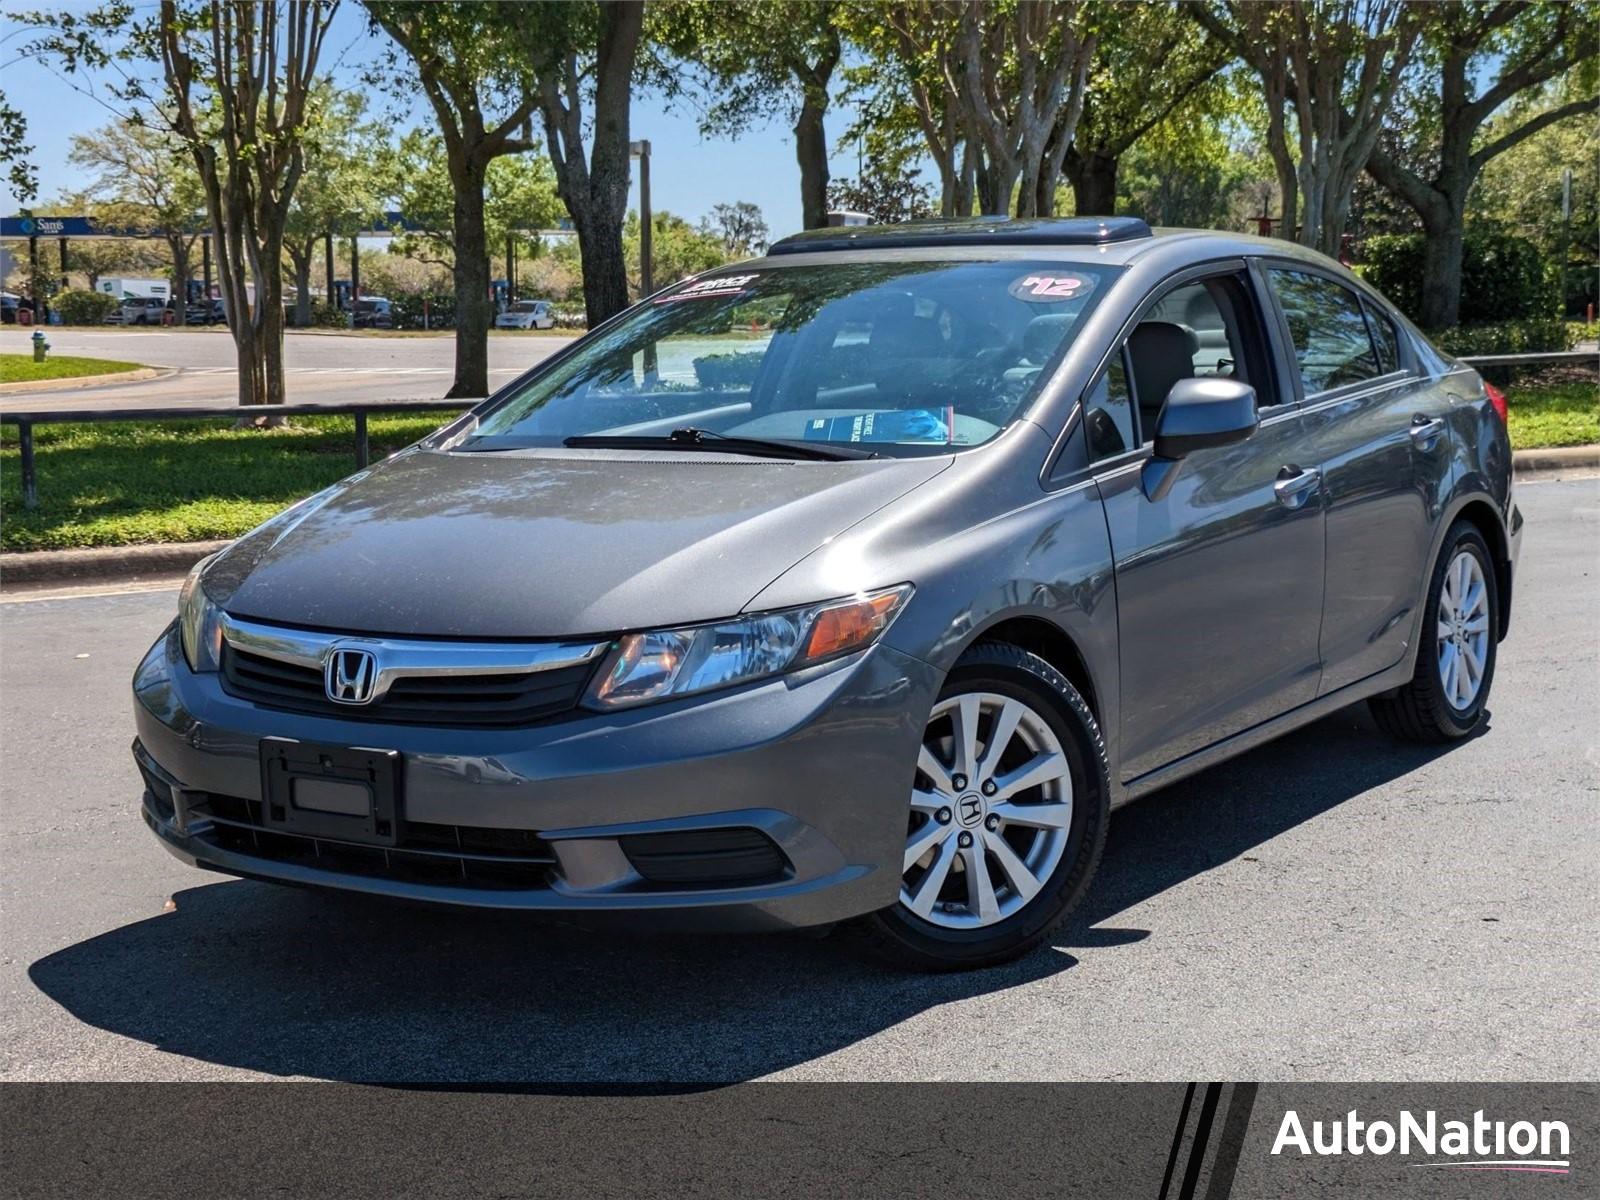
<point>453,855</point>
<point>701,857</point>
<point>466,700</point>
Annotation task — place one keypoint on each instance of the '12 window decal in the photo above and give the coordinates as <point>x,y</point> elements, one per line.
<point>1046,289</point>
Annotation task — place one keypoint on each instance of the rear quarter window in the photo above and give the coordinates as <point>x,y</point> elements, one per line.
<point>1333,347</point>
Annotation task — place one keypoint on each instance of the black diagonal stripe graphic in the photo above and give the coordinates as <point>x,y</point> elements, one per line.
<point>1177,1140</point>
<point>1202,1136</point>
<point>1231,1143</point>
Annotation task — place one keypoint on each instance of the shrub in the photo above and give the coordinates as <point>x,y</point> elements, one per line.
<point>1508,337</point>
<point>407,310</point>
<point>327,316</point>
<point>80,307</point>
<point>1503,277</point>
<point>736,370</point>
<point>1583,287</point>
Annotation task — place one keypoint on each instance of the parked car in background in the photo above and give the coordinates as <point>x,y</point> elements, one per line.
<point>374,312</point>
<point>994,524</point>
<point>527,314</point>
<point>137,310</point>
<point>205,312</point>
<point>9,305</point>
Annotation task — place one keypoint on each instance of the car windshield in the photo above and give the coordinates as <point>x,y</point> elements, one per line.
<point>912,357</point>
<point>525,306</point>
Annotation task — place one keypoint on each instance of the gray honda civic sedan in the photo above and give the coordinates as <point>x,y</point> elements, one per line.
<point>857,582</point>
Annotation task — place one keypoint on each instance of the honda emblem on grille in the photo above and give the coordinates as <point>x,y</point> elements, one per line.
<point>350,676</point>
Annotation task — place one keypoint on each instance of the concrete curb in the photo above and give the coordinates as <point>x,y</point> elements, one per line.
<point>1557,460</point>
<point>113,564</point>
<point>102,564</point>
<point>28,387</point>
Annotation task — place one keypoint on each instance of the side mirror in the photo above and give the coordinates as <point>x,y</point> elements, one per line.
<point>1198,414</point>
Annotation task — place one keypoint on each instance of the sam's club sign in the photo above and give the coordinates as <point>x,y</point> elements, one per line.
<point>22,227</point>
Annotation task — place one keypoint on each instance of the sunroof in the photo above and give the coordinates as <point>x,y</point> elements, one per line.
<point>972,231</point>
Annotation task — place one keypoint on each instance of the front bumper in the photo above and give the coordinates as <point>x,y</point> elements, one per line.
<point>818,764</point>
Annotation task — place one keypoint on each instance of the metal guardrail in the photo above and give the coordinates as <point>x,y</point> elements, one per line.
<point>25,421</point>
<point>1532,360</point>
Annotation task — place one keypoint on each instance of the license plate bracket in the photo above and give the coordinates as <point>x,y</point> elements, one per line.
<point>316,790</point>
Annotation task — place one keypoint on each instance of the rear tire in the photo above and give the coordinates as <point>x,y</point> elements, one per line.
<point>1455,658</point>
<point>1007,819</point>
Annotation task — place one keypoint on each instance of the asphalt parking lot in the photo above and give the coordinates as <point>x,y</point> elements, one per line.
<point>323,368</point>
<point>1334,906</point>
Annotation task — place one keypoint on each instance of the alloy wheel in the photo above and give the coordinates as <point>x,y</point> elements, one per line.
<point>1463,630</point>
<point>991,812</point>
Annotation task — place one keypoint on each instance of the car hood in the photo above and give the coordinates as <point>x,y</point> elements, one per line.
<point>547,544</point>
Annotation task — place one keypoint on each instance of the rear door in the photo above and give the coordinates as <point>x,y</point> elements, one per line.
<point>1219,582</point>
<point>1378,428</point>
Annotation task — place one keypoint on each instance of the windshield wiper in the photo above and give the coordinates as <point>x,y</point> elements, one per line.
<point>693,438</point>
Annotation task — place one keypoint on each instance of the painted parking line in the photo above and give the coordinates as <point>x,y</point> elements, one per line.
<point>85,591</point>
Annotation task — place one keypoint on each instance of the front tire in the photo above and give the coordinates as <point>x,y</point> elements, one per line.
<point>1007,820</point>
<point>1455,662</point>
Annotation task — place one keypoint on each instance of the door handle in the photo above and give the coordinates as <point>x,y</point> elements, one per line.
<point>1425,431</point>
<point>1295,486</point>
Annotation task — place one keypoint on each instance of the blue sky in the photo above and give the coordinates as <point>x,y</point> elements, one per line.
<point>688,173</point>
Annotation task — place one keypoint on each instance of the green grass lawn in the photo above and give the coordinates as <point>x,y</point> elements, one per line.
<point>20,368</point>
<point>1554,410</point>
<point>180,481</point>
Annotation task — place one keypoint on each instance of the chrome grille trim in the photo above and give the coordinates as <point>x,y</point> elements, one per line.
<point>406,658</point>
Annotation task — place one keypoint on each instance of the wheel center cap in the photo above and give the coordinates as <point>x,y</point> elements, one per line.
<point>970,810</point>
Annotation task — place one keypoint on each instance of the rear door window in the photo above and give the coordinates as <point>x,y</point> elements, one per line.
<point>1332,345</point>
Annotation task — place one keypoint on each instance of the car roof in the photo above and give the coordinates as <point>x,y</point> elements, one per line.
<point>1115,241</point>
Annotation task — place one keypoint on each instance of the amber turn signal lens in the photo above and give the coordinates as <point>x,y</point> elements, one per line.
<point>852,624</point>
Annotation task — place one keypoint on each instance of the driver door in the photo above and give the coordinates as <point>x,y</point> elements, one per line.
<point>1219,581</point>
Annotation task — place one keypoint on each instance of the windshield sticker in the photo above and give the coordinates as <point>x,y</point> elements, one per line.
<point>724,285</point>
<point>1047,289</point>
<point>922,425</point>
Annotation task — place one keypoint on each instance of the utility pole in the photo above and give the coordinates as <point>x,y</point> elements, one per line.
<point>330,297</point>
<point>355,277</point>
<point>1566,234</point>
<point>641,151</point>
<point>35,280</point>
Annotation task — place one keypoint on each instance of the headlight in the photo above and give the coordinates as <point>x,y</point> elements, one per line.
<point>677,662</point>
<point>199,622</point>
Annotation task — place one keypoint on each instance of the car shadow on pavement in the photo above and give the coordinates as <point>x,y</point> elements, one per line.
<point>303,983</point>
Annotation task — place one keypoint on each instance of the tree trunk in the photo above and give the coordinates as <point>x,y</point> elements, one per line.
<point>605,275</point>
<point>471,275</point>
<point>995,181</point>
<point>811,151</point>
<point>1094,183</point>
<point>269,301</point>
<point>968,186</point>
<point>247,350</point>
<point>1044,203</point>
<point>301,257</point>
<point>268,321</point>
<point>252,381</point>
<point>180,279</point>
<point>242,323</point>
<point>1441,271</point>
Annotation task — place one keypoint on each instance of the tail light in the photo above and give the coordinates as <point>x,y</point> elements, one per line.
<point>1496,398</point>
